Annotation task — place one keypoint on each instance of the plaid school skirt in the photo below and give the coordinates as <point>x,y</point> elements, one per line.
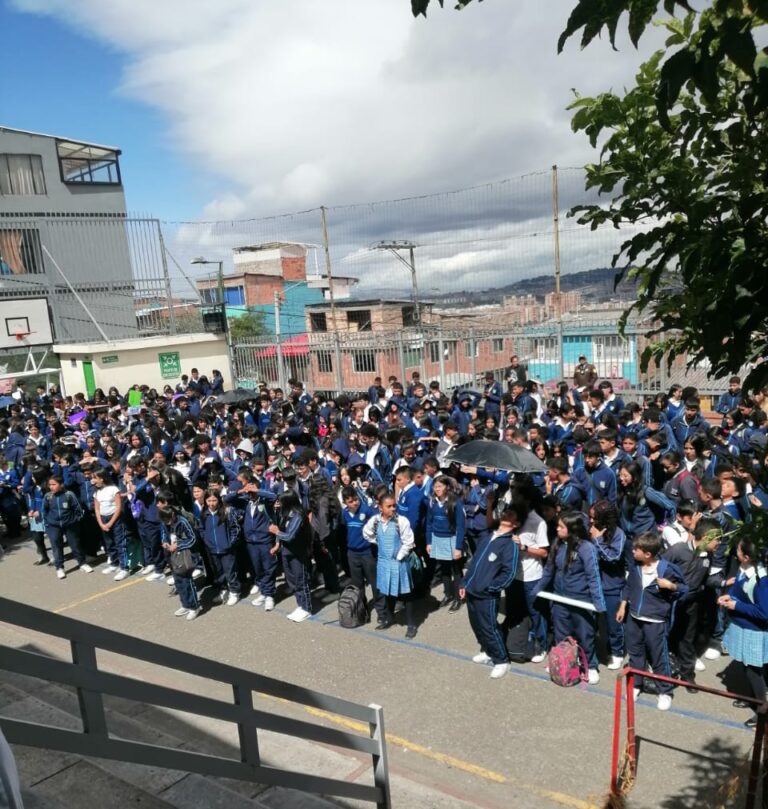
<point>748,646</point>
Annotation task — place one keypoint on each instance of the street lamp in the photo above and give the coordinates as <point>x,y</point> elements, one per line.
<point>223,311</point>
<point>395,246</point>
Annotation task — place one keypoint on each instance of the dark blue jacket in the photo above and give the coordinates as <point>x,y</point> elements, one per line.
<point>580,580</point>
<point>412,506</point>
<point>220,537</point>
<point>599,483</point>
<point>614,554</point>
<point>61,510</point>
<point>652,601</point>
<point>493,566</point>
<point>683,430</point>
<point>256,525</point>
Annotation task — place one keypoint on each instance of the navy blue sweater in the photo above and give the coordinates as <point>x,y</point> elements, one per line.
<point>580,580</point>
<point>492,567</point>
<point>652,601</point>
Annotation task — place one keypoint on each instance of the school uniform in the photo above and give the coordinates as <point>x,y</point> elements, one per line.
<point>649,616</point>
<point>360,557</point>
<point>445,534</point>
<point>694,564</point>
<point>220,536</point>
<point>116,538</point>
<point>34,499</point>
<point>490,571</point>
<point>9,503</point>
<point>475,512</point>
<point>394,543</point>
<point>599,482</point>
<point>62,513</point>
<point>295,543</point>
<point>183,534</point>
<point>580,580</point>
<point>614,555</point>
<point>747,635</point>
<point>258,544</point>
<point>533,534</point>
<point>144,511</point>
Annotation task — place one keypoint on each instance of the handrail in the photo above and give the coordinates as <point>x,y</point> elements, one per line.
<point>95,739</point>
<point>627,676</point>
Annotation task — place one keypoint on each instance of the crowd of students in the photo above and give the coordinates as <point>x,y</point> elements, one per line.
<point>627,534</point>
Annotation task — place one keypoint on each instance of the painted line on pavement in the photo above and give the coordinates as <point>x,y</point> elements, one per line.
<point>96,596</point>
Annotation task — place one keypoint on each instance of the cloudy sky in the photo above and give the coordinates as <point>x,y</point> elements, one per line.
<point>242,109</point>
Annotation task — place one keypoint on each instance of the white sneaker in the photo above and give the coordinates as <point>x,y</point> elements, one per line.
<point>146,570</point>
<point>109,569</point>
<point>60,574</point>
<point>86,568</point>
<point>259,600</point>
<point>181,611</point>
<point>196,573</point>
<point>292,615</point>
<point>121,574</point>
<point>482,657</point>
<point>700,665</point>
<point>255,590</point>
<point>169,581</point>
<point>192,614</point>
<point>664,702</point>
<point>155,577</point>
<point>593,678</point>
<point>615,662</point>
<point>299,615</point>
<point>712,653</point>
<point>539,657</point>
<point>233,599</point>
<point>269,604</point>
<point>499,670</point>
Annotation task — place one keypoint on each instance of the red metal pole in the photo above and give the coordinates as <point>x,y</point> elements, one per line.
<point>755,763</point>
<point>631,724</point>
<point>616,732</point>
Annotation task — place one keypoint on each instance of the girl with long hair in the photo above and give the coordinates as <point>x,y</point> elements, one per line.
<point>573,572</point>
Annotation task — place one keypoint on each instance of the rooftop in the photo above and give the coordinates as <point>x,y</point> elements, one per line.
<point>70,142</point>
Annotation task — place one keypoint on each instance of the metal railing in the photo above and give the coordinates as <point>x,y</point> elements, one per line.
<point>623,772</point>
<point>92,683</point>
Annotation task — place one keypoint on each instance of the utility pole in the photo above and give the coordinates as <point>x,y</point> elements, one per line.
<point>279,344</point>
<point>558,299</point>
<point>334,322</point>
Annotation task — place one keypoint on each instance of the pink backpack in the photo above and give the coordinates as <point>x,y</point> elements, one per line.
<point>568,664</point>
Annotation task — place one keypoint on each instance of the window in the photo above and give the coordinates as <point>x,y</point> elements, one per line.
<point>412,356</point>
<point>234,296</point>
<point>21,174</point>
<point>363,361</point>
<point>324,362</point>
<point>318,321</point>
<point>449,348</point>
<point>468,348</point>
<point>84,163</point>
<point>545,349</point>
<point>209,296</point>
<point>611,347</point>
<point>409,316</point>
<point>20,252</point>
<point>434,352</point>
<point>498,345</point>
<point>360,318</point>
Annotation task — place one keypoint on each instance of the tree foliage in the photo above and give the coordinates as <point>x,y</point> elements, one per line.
<point>685,154</point>
<point>249,324</point>
<point>419,7</point>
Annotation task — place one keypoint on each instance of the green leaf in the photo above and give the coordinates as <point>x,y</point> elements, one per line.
<point>640,15</point>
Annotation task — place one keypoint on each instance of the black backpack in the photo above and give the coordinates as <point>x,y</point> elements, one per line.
<point>353,608</point>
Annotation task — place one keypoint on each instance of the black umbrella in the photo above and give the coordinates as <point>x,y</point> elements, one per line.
<point>237,396</point>
<point>496,455</point>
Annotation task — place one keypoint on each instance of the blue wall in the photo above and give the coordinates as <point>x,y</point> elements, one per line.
<point>292,321</point>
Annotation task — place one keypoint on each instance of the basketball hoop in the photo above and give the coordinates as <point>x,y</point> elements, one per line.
<point>21,336</point>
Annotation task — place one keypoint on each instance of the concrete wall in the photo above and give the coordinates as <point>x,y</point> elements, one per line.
<point>60,197</point>
<point>138,361</point>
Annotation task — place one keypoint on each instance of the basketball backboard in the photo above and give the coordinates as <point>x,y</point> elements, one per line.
<point>25,323</point>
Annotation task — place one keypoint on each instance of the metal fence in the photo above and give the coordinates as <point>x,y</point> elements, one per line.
<point>346,362</point>
<point>87,675</point>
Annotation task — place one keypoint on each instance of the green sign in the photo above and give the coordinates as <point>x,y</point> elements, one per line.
<point>109,359</point>
<point>170,365</point>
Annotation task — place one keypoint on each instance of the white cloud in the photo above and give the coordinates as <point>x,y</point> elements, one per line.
<point>290,104</point>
